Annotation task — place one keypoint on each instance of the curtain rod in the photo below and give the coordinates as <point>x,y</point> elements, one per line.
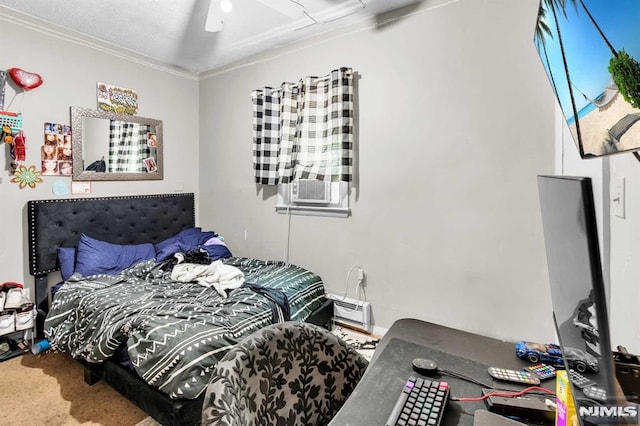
<point>296,85</point>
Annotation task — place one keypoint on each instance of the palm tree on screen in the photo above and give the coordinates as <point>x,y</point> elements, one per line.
<point>624,69</point>
<point>542,31</point>
<point>555,6</point>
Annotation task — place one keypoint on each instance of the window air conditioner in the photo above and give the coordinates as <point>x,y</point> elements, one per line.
<point>310,191</point>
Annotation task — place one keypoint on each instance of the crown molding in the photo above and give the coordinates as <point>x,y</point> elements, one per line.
<point>51,30</point>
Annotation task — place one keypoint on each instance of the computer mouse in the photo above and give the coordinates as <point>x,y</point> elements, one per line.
<point>425,366</point>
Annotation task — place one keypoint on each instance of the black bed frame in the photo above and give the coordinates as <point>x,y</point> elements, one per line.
<point>120,220</point>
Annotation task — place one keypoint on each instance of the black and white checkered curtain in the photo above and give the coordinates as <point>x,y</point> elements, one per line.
<point>127,147</point>
<point>304,130</point>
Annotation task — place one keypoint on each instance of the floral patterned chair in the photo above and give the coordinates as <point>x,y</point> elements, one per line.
<point>285,374</point>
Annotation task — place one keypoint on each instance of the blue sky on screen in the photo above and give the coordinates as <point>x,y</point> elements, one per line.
<point>586,52</point>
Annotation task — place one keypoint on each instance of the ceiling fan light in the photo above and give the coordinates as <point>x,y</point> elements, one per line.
<point>226,6</point>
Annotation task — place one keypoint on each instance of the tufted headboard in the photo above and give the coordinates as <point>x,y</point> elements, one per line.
<point>120,220</point>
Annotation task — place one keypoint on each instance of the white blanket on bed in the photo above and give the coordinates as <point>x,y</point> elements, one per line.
<point>217,275</point>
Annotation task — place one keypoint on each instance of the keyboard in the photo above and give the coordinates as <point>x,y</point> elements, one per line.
<point>421,403</point>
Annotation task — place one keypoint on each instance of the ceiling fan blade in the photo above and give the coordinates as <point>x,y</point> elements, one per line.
<point>292,9</point>
<point>214,21</point>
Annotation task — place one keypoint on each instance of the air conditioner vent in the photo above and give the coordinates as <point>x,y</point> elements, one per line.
<point>310,191</point>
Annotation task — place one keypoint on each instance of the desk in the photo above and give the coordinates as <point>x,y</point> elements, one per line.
<point>461,352</point>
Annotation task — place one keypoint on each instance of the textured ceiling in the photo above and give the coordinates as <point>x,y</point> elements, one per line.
<point>171,32</point>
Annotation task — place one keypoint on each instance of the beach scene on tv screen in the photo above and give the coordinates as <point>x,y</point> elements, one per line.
<point>590,51</point>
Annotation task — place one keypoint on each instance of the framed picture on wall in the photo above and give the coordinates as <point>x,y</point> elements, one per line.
<point>117,99</point>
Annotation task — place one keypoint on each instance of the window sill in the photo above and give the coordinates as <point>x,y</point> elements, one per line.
<point>313,210</point>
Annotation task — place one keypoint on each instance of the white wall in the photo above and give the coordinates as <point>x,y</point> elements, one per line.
<point>455,119</point>
<point>625,268</point>
<point>70,71</point>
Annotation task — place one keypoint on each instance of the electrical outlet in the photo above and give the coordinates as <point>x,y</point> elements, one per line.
<point>360,274</point>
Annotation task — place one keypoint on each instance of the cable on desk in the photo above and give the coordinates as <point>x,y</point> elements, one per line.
<point>504,394</point>
<point>463,377</point>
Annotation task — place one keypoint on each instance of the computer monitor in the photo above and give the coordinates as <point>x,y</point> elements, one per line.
<point>590,51</point>
<point>577,285</point>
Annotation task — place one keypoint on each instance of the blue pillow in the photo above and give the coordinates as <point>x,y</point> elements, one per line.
<point>185,240</point>
<point>67,261</point>
<point>168,251</point>
<point>216,251</point>
<point>99,257</point>
<point>185,233</point>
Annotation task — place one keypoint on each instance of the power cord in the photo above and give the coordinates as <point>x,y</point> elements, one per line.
<point>504,394</point>
<point>358,288</point>
<point>286,250</point>
<point>463,377</point>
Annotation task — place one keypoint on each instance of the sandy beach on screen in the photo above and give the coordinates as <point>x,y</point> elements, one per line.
<point>594,127</point>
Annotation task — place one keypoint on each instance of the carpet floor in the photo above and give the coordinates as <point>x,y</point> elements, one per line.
<point>49,389</point>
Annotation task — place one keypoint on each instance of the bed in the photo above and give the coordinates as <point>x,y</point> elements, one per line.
<point>152,338</point>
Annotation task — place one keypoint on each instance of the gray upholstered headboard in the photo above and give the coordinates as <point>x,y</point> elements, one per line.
<point>120,220</point>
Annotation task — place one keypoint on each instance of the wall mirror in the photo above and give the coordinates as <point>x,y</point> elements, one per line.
<point>109,146</point>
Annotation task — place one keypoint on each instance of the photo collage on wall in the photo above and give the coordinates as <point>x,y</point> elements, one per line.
<point>57,150</point>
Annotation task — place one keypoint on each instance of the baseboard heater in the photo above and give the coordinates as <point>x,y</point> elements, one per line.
<point>351,312</point>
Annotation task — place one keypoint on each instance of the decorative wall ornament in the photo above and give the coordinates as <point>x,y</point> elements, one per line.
<point>18,150</point>
<point>24,176</point>
<point>117,99</point>
<point>61,188</point>
<point>25,79</point>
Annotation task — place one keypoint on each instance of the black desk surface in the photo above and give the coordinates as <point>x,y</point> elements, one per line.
<point>458,351</point>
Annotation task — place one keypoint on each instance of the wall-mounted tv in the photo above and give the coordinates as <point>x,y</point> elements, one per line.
<point>590,51</point>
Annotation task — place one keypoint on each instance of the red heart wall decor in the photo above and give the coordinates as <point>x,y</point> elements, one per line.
<point>26,80</point>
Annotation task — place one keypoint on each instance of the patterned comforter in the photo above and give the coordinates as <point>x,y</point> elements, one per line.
<point>175,332</point>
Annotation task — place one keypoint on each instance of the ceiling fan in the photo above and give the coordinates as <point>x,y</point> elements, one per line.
<point>217,9</point>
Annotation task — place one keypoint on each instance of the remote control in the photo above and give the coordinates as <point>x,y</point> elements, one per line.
<point>543,371</point>
<point>595,392</point>
<point>523,377</point>
<point>578,380</point>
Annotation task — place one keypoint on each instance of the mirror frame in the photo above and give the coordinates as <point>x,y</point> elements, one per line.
<point>79,173</point>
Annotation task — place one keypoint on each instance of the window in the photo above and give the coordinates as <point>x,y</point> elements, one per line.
<point>303,142</point>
